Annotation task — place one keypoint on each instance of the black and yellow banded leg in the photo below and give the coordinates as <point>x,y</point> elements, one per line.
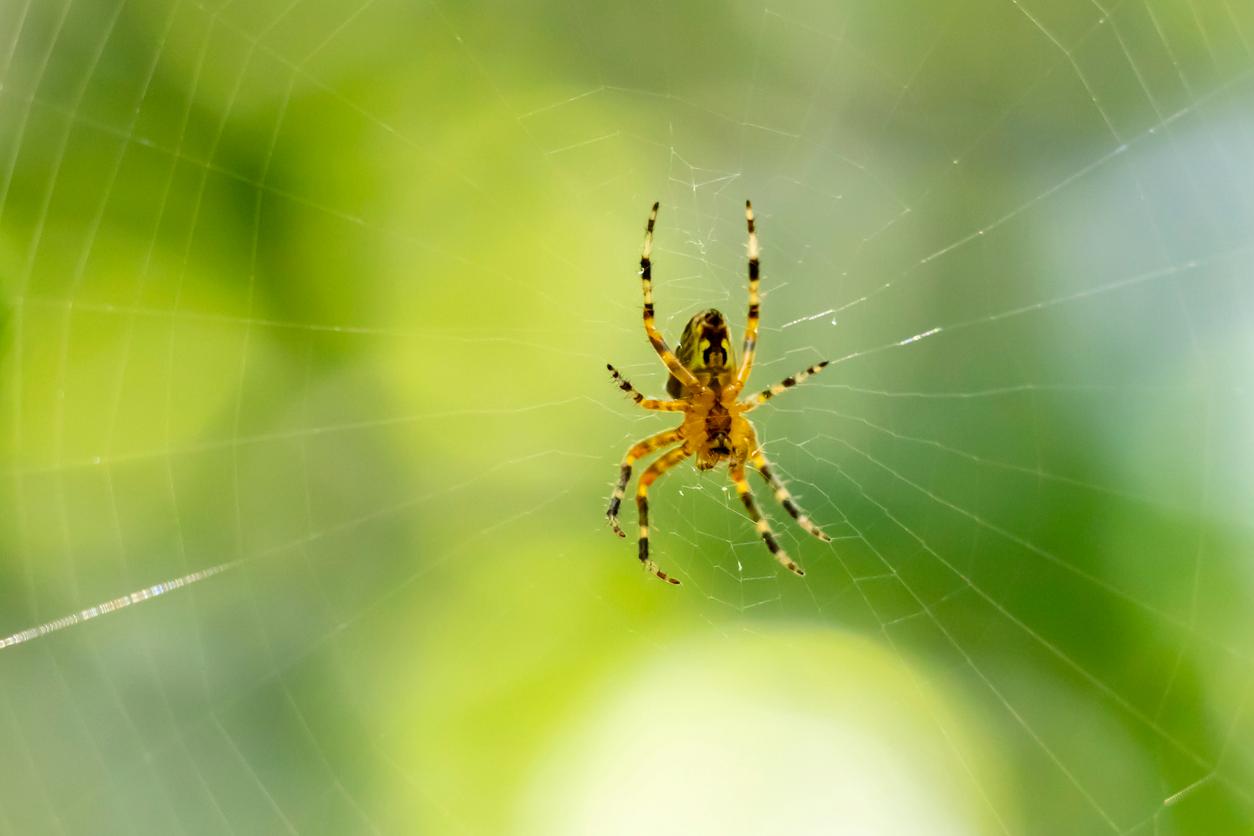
<point>783,497</point>
<point>641,400</point>
<point>647,478</point>
<point>755,302</point>
<point>752,403</point>
<point>764,528</point>
<point>650,327</point>
<point>643,448</point>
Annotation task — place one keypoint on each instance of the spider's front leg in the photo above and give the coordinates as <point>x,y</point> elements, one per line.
<point>783,497</point>
<point>642,448</point>
<point>647,478</point>
<point>764,528</point>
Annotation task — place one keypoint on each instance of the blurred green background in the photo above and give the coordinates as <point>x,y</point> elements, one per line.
<point>319,296</point>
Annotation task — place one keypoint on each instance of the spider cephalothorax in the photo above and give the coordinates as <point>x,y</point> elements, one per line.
<point>705,384</point>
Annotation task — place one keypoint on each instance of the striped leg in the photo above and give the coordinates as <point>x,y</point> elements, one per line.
<point>764,528</point>
<point>643,448</point>
<point>647,478</point>
<point>752,403</point>
<point>655,337</point>
<point>755,303</point>
<point>641,400</point>
<point>785,498</point>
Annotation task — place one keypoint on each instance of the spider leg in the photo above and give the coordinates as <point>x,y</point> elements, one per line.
<point>655,337</point>
<point>764,528</point>
<point>641,400</point>
<point>753,402</point>
<point>643,448</point>
<point>647,478</point>
<point>785,498</point>
<point>755,303</point>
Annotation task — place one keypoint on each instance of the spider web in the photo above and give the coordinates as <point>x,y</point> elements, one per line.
<point>307,308</point>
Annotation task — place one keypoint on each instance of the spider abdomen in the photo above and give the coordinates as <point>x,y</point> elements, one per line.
<point>705,349</point>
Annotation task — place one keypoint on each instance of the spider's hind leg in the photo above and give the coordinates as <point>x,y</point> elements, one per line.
<point>755,302</point>
<point>676,368</point>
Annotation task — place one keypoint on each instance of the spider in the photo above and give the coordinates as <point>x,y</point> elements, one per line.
<point>705,384</point>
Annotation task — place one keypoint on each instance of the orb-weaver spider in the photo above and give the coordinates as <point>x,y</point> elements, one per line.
<point>705,385</point>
